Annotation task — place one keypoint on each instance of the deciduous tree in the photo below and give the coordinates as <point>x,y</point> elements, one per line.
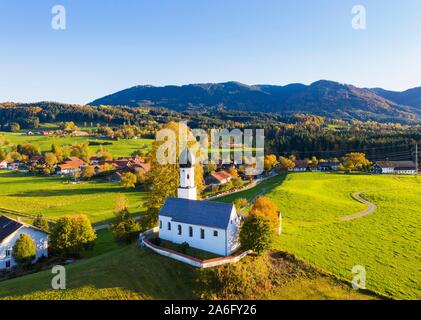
<point>24,250</point>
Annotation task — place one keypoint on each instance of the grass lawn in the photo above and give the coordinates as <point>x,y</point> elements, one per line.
<point>387,243</point>
<point>54,198</point>
<point>104,243</point>
<point>193,252</point>
<point>134,273</point>
<point>120,148</point>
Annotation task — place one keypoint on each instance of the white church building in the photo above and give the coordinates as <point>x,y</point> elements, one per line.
<point>206,225</point>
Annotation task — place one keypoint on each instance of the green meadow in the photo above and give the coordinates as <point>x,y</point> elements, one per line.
<point>118,148</point>
<point>55,197</point>
<point>387,242</point>
<point>130,272</point>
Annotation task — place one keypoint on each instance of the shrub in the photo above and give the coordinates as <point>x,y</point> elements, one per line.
<point>183,247</point>
<point>41,223</point>
<point>72,234</point>
<point>24,250</point>
<point>256,234</point>
<point>157,241</point>
<point>246,279</point>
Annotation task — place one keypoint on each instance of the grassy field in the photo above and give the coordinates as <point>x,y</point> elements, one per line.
<point>387,243</point>
<point>53,197</point>
<point>120,148</point>
<point>133,273</point>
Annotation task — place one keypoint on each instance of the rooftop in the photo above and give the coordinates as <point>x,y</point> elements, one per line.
<point>198,212</point>
<point>8,226</point>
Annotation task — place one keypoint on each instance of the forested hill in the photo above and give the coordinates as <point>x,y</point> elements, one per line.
<point>325,98</point>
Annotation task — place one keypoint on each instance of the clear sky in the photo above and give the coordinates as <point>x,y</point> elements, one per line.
<point>109,45</point>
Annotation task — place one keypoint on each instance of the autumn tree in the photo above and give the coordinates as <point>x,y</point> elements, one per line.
<point>269,162</point>
<point>58,152</point>
<point>256,234</point>
<point>128,180</point>
<point>314,161</point>
<point>41,223</point>
<point>286,163</point>
<point>355,161</point>
<point>233,172</point>
<point>125,229</point>
<point>240,204</point>
<point>50,159</point>
<point>24,250</point>
<point>88,172</point>
<point>209,167</point>
<point>70,125</point>
<point>265,207</point>
<point>72,234</point>
<point>165,176</point>
<point>104,154</point>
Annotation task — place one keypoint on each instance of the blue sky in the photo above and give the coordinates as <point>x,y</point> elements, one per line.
<point>110,45</point>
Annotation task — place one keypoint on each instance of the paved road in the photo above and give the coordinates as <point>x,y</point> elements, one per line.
<point>371,208</point>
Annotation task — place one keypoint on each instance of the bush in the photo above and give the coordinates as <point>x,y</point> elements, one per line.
<point>24,250</point>
<point>246,279</point>
<point>183,247</point>
<point>41,223</point>
<point>72,234</point>
<point>157,241</point>
<point>126,229</point>
<point>256,234</point>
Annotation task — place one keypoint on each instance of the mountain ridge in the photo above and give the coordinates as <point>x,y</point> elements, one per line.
<point>324,97</point>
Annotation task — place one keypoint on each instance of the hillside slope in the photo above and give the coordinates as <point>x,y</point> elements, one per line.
<point>411,97</point>
<point>326,98</point>
<point>132,273</point>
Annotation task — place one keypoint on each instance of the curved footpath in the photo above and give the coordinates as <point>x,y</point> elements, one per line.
<point>371,208</point>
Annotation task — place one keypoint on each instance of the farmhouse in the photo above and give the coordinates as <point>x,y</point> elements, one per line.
<point>206,225</point>
<point>71,165</point>
<point>328,166</point>
<point>218,178</point>
<point>3,164</point>
<point>10,231</point>
<point>395,167</point>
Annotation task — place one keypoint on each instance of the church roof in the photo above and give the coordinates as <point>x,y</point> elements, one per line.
<point>197,212</point>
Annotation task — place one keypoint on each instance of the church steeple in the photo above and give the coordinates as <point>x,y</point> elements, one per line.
<point>187,189</point>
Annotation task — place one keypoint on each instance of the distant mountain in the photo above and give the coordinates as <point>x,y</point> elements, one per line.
<point>325,98</point>
<point>411,97</point>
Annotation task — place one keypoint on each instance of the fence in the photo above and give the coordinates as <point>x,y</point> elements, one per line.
<point>144,241</point>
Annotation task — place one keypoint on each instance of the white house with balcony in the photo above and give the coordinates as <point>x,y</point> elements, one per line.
<point>206,225</point>
<point>10,231</point>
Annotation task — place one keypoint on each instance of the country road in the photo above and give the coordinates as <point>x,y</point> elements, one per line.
<point>371,208</point>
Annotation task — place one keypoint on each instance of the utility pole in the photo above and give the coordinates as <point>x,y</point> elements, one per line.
<point>416,157</point>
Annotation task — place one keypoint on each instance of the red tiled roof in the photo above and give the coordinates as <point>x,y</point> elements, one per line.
<point>221,175</point>
<point>72,163</point>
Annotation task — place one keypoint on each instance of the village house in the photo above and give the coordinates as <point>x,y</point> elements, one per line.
<point>300,166</point>
<point>10,231</point>
<point>395,167</point>
<point>206,225</point>
<point>328,166</point>
<point>13,165</point>
<point>71,165</point>
<point>3,164</point>
<point>218,178</point>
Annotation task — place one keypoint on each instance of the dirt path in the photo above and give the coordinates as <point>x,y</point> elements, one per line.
<point>371,208</point>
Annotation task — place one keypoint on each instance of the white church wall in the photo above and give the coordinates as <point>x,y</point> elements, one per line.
<point>211,243</point>
<point>233,232</point>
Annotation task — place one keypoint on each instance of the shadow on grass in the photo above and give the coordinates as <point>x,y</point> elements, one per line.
<point>65,191</point>
<point>250,194</point>
<point>126,270</point>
